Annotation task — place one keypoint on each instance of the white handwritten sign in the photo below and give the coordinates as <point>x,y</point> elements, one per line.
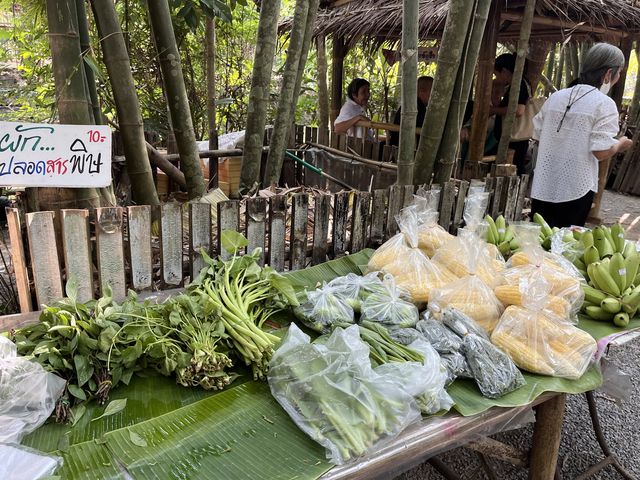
<point>53,155</point>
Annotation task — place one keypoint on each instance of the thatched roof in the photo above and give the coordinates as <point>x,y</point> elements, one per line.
<point>381,20</point>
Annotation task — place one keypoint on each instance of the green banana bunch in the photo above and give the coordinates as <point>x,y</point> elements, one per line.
<point>546,232</point>
<point>501,235</point>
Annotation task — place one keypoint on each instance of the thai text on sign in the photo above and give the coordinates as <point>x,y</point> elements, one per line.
<point>53,155</point>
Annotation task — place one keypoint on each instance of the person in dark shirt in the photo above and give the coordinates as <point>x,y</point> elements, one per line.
<point>503,70</point>
<point>424,93</point>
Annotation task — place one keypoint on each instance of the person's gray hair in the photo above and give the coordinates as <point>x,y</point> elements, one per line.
<point>600,58</point>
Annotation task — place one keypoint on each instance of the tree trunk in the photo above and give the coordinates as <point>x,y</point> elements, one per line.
<point>409,112</point>
<point>451,51</point>
<point>283,120</point>
<point>312,13</point>
<point>484,84</point>
<point>514,91</point>
<point>574,61</point>
<point>550,64</point>
<point>116,59</point>
<point>557,81</point>
<point>85,47</point>
<point>451,138</point>
<point>259,94</point>
<point>173,80</point>
<point>210,53</point>
<point>68,72</point>
<point>323,92</point>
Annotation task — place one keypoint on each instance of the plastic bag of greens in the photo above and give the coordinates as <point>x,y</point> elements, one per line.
<point>404,336</point>
<point>389,308</point>
<point>439,336</point>
<point>353,289</point>
<point>456,365</point>
<point>424,381</point>
<point>28,394</point>
<point>493,370</point>
<point>540,341</point>
<point>324,307</point>
<point>332,394</point>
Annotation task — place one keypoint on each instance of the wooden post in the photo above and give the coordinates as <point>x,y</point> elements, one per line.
<point>484,83</point>
<point>626,45</point>
<point>546,438</point>
<point>337,74</point>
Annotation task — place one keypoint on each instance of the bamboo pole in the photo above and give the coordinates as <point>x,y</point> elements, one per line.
<point>450,141</point>
<point>617,93</point>
<point>339,51</point>
<point>449,55</point>
<point>210,60</point>
<point>557,80</point>
<point>484,83</point>
<point>85,47</point>
<point>549,87</point>
<point>358,158</point>
<point>323,92</point>
<point>409,106</point>
<point>514,91</point>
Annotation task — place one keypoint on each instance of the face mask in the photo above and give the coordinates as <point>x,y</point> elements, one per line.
<point>605,87</point>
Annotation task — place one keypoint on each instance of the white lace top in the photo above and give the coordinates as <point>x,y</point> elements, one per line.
<point>565,168</point>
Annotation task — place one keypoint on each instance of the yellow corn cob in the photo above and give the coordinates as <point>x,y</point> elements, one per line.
<point>432,238</point>
<point>511,295</point>
<point>521,353</point>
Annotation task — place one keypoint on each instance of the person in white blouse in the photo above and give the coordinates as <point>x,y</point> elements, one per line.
<point>353,109</point>
<point>577,129</point>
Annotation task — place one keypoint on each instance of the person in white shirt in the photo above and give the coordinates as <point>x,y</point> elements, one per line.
<point>576,129</point>
<point>353,109</point>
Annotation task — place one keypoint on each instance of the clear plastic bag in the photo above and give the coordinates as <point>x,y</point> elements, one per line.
<point>400,256</point>
<point>23,463</point>
<point>28,394</point>
<point>389,308</point>
<point>456,365</point>
<point>493,370</point>
<point>541,342</point>
<point>564,278</point>
<point>322,308</point>
<point>431,235</point>
<point>404,336</point>
<point>353,289</point>
<point>471,296</point>
<point>425,382</point>
<point>332,394</point>
<point>467,254</point>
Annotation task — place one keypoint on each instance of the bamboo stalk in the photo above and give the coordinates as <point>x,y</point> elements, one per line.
<point>323,92</point>
<point>358,158</point>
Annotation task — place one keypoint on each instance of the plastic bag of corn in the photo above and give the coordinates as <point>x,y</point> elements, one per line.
<point>540,341</point>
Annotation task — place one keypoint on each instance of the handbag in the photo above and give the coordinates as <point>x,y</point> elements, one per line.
<point>523,126</point>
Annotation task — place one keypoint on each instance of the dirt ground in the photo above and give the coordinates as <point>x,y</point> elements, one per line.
<point>617,207</point>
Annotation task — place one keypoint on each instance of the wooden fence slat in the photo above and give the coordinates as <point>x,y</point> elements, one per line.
<point>359,237</point>
<point>322,209</point>
<point>463,188</point>
<point>199,235</point>
<point>446,207</point>
<point>277,222</point>
<point>77,251</point>
<point>379,208</point>
<point>19,260</point>
<point>307,134</point>
<point>171,243</point>
<point>139,218</point>
<point>396,201</point>
<point>256,226</point>
<point>497,196</point>
<point>340,214</point>
<point>111,250</point>
<point>298,242</point>
<point>512,198</point>
<point>228,219</point>
<point>522,193</point>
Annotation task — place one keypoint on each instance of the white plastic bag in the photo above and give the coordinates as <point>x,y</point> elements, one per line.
<point>322,308</point>
<point>389,308</point>
<point>22,463</point>
<point>332,394</point>
<point>28,394</point>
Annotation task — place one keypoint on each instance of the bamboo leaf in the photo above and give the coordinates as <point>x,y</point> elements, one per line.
<point>114,407</point>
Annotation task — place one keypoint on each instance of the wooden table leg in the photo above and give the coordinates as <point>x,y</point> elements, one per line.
<point>546,438</point>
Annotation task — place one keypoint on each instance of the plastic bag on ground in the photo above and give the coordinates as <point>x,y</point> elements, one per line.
<point>389,308</point>
<point>541,342</point>
<point>493,370</point>
<point>324,307</point>
<point>22,463</point>
<point>332,394</point>
<point>28,394</point>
